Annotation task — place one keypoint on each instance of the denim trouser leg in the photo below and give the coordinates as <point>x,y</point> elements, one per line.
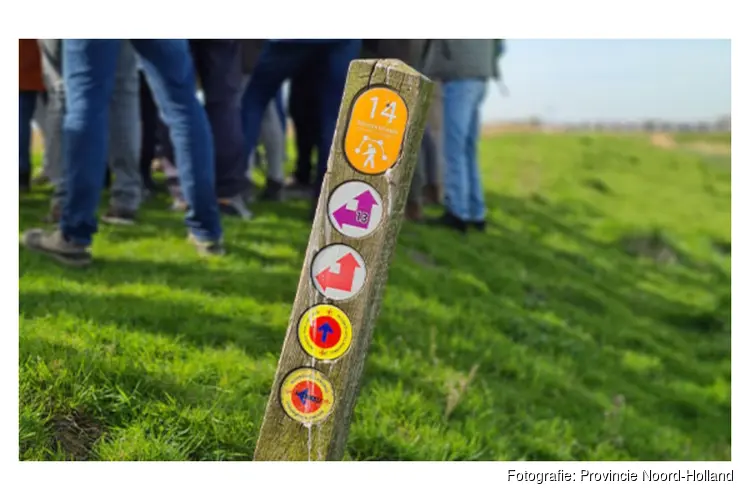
<point>89,71</point>
<point>26,106</point>
<point>220,70</point>
<point>51,50</point>
<point>332,79</point>
<point>171,75</point>
<point>125,132</point>
<point>277,62</point>
<point>89,74</point>
<point>477,207</point>
<point>463,190</point>
<point>281,61</point>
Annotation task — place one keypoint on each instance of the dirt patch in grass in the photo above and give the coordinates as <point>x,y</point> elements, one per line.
<point>76,433</point>
<point>664,141</point>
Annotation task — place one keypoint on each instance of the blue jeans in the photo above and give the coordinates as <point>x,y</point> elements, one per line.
<point>89,74</point>
<point>464,196</point>
<point>281,61</point>
<point>26,106</point>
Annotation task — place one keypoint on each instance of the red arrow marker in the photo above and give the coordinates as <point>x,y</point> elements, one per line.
<point>344,279</point>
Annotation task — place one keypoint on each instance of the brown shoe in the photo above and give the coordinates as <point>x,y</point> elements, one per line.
<point>413,212</point>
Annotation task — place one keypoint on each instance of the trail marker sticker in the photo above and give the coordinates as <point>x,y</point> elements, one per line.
<point>338,272</point>
<point>307,395</point>
<point>325,332</point>
<point>375,131</point>
<point>355,209</point>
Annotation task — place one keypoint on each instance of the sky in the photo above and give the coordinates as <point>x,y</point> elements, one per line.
<point>580,80</point>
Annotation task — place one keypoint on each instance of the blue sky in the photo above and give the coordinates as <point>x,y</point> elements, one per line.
<point>573,80</point>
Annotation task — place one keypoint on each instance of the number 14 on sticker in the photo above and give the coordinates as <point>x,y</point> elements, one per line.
<point>375,131</point>
<point>389,110</point>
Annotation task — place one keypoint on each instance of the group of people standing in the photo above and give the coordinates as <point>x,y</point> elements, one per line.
<point>108,108</point>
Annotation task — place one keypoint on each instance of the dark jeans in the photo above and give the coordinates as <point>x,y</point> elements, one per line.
<point>303,109</point>
<point>219,67</point>
<point>149,123</point>
<point>26,107</point>
<point>281,61</point>
<point>89,73</point>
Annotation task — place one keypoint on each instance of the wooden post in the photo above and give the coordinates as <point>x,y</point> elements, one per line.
<point>359,214</point>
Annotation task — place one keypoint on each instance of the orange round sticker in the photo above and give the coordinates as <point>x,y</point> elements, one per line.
<point>376,130</point>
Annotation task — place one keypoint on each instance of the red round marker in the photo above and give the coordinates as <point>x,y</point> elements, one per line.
<point>325,332</point>
<point>307,397</point>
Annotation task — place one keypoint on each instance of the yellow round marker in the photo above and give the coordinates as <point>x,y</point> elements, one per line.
<point>307,396</point>
<point>375,131</point>
<point>325,332</point>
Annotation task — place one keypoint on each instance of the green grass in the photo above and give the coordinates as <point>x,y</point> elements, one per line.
<point>591,322</point>
<point>722,138</point>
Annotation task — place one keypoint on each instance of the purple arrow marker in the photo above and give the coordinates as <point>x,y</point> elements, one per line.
<point>356,218</point>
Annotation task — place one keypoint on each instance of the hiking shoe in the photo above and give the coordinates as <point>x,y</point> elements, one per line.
<point>450,221</point>
<point>119,216</point>
<point>274,191</point>
<point>207,247</point>
<point>54,244</point>
<point>235,207</point>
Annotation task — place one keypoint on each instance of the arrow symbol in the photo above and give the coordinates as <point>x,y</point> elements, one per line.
<point>361,216</point>
<point>306,398</point>
<point>325,329</point>
<point>344,279</point>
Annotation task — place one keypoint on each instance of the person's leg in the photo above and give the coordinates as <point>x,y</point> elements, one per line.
<point>431,191</point>
<point>125,140</point>
<point>333,70</point>
<point>278,62</point>
<point>149,119</point>
<point>272,138</point>
<point>279,104</point>
<point>51,50</point>
<point>476,90</point>
<point>26,106</point>
<point>303,110</point>
<point>434,134</point>
<point>171,75</point>
<point>167,161</point>
<point>414,203</point>
<point>89,74</point>
<point>457,101</point>
<point>219,68</point>
<point>281,113</point>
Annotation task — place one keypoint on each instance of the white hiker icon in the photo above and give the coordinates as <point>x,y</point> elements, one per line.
<point>371,151</point>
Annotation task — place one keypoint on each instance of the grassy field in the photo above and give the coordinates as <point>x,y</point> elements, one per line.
<point>591,322</point>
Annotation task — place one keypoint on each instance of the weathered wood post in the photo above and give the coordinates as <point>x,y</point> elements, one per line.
<point>359,214</point>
